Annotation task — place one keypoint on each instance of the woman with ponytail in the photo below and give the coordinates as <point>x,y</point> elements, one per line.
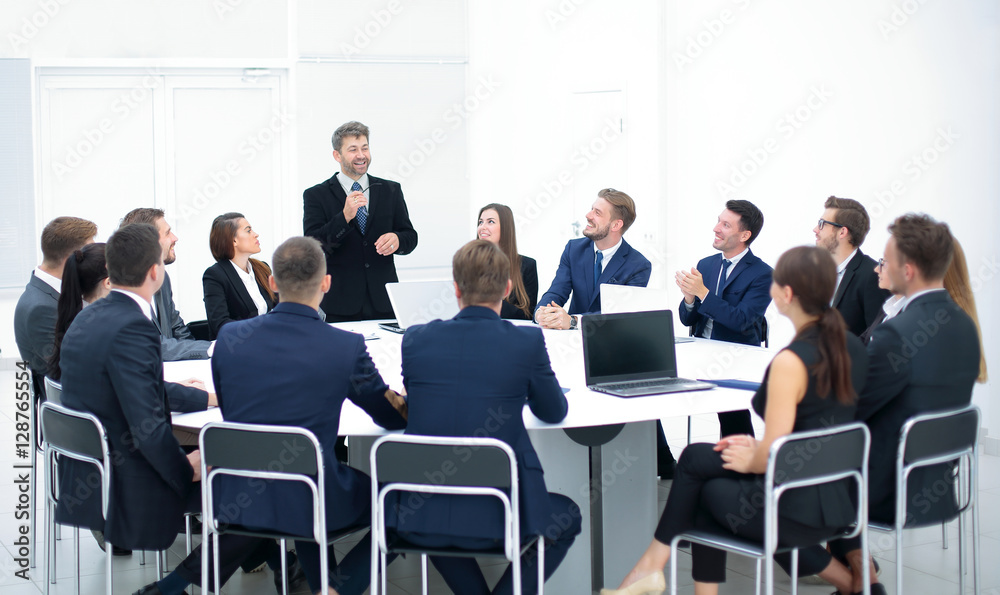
<point>84,281</point>
<point>811,384</point>
<point>236,286</point>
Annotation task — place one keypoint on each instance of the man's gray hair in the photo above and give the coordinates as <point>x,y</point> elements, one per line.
<point>348,130</point>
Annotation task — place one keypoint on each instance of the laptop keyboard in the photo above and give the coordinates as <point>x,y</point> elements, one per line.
<point>647,383</point>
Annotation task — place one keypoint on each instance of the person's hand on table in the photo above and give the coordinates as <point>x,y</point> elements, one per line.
<point>193,383</point>
<point>553,316</point>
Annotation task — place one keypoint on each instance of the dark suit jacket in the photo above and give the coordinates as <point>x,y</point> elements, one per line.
<point>529,274</point>
<point>112,367</point>
<point>471,376</point>
<point>297,371</point>
<point>859,297</point>
<point>924,359</point>
<point>226,298</point>
<point>35,324</point>
<point>576,274</point>
<point>738,313</point>
<point>351,258</point>
<point>175,337</point>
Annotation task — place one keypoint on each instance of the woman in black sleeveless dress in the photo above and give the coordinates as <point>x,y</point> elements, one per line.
<point>813,383</point>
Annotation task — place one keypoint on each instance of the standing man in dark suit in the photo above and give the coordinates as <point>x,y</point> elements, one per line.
<point>310,368</point>
<point>601,256</point>
<point>725,298</point>
<point>924,359</point>
<point>176,338</point>
<point>112,367</point>
<point>473,374</point>
<point>841,230</point>
<point>361,221</point>
<point>35,313</point>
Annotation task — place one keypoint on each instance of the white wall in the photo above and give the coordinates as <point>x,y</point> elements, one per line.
<point>706,87</point>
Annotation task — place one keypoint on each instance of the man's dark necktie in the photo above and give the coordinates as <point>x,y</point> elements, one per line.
<point>722,276</point>
<point>597,270</point>
<point>362,214</point>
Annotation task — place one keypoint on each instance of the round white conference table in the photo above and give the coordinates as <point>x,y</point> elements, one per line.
<point>605,460</point>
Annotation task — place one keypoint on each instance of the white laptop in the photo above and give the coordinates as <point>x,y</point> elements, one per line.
<point>617,299</point>
<point>419,302</point>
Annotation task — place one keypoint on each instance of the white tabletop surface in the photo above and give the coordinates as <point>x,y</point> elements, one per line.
<point>701,358</point>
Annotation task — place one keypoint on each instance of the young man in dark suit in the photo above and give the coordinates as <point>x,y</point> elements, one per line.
<point>725,298</point>
<point>924,359</point>
<point>35,313</point>
<point>290,368</point>
<point>361,221</point>
<point>112,367</point>
<point>841,230</point>
<point>175,337</point>
<point>601,256</point>
<point>471,376</point>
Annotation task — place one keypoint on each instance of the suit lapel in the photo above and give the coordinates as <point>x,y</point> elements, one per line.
<point>608,275</point>
<point>241,289</point>
<point>741,266</point>
<point>44,287</point>
<point>852,267</point>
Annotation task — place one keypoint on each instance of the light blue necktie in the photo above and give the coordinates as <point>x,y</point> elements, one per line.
<point>597,270</point>
<point>362,214</point>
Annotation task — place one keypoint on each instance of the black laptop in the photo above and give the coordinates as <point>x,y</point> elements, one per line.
<point>632,354</point>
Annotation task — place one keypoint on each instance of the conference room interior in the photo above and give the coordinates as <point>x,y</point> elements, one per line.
<point>201,108</point>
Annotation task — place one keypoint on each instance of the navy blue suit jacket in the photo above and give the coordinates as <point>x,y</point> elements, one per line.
<point>290,368</point>
<point>737,313</point>
<point>859,298</point>
<point>924,359</point>
<point>576,274</point>
<point>112,367</point>
<point>471,376</point>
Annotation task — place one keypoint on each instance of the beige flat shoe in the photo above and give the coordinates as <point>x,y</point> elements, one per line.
<point>651,584</point>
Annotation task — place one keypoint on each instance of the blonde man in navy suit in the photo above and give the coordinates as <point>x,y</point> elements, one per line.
<point>472,376</point>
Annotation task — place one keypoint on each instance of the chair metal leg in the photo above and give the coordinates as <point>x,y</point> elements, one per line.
<point>324,568</point>
<point>284,567</point>
<point>108,570</point>
<point>757,578</point>
<point>795,571</point>
<point>769,576</point>
<point>187,534</point>
<point>383,564</point>
<point>76,552</point>
<point>423,576</point>
<point>944,535</point>
<point>142,558</point>
<point>689,430</point>
<point>32,508</point>
<point>973,504</point>
<point>215,564</point>
<point>48,561</point>
<point>541,565</point>
<point>159,565</point>
<point>673,567</point>
<point>899,555</point>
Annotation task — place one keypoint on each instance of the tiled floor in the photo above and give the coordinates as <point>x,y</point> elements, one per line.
<point>929,569</point>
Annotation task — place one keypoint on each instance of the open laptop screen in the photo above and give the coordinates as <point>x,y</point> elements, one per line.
<point>628,346</point>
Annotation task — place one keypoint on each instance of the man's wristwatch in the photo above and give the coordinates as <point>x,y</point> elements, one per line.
<point>573,323</point>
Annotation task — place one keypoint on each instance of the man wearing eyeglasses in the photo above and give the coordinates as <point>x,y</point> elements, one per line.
<point>361,222</point>
<point>841,230</point>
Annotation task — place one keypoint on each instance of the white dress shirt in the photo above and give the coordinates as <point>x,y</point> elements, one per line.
<point>53,282</point>
<point>250,282</point>
<point>608,254</point>
<point>146,307</point>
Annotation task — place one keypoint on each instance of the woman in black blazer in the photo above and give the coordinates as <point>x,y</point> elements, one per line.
<point>236,285</point>
<point>496,225</point>
<point>813,383</point>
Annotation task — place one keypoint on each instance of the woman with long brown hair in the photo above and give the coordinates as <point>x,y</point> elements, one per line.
<point>956,281</point>
<point>236,286</point>
<point>496,225</point>
<point>812,383</point>
<point>84,281</point>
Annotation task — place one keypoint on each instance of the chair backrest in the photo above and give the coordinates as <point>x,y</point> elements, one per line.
<point>200,331</point>
<point>261,448</point>
<point>455,462</point>
<point>73,433</point>
<point>53,390</point>
<point>947,435</point>
<point>819,456</point>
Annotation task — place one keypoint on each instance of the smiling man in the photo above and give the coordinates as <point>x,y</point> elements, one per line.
<point>601,256</point>
<point>361,222</point>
